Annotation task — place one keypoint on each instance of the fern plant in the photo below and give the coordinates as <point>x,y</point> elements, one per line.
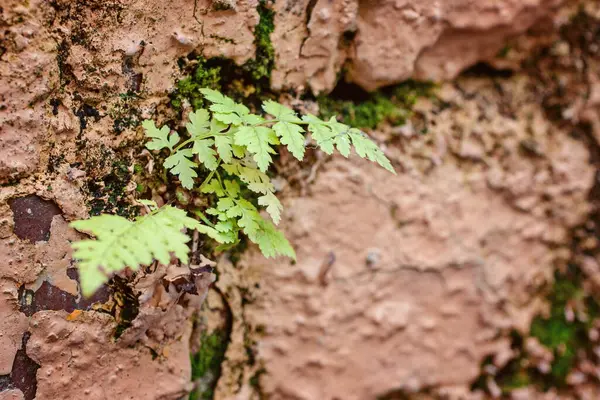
<point>236,148</point>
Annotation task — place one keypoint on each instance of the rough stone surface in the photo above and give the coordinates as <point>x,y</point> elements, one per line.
<point>77,352</point>
<point>422,276</point>
<point>12,326</point>
<point>417,276</point>
<point>27,76</point>
<point>78,357</point>
<point>387,41</point>
<point>12,394</point>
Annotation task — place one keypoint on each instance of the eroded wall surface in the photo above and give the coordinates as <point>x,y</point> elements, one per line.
<point>412,280</point>
<point>409,284</point>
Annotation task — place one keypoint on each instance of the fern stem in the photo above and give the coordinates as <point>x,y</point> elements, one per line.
<point>274,121</point>
<point>204,219</point>
<point>190,140</point>
<point>209,177</point>
<point>220,182</point>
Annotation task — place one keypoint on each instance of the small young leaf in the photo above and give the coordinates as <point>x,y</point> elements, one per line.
<point>199,123</point>
<point>273,206</point>
<point>213,187</point>
<point>257,140</point>
<point>320,132</point>
<point>160,137</point>
<point>272,242</point>
<point>180,164</point>
<point>206,154</point>
<point>256,180</point>
<point>365,147</point>
<point>287,128</point>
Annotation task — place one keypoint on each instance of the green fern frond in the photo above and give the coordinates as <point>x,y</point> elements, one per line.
<point>121,243</point>
<point>235,147</point>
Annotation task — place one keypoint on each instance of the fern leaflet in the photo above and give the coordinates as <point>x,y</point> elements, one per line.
<point>121,243</point>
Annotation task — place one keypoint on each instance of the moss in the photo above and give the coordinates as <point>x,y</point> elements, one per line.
<point>367,110</point>
<point>563,337</point>
<point>249,83</point>
<point>261,66</point>
<point>203,76</point>
<point>206,364</point>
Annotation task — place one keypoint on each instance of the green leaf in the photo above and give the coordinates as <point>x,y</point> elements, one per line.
<point>225,203</point>
<point>221,237</point>
<point>224,108</point>
<point>343,145</point>
<point>365,147</point>
<point>206,154</point>
<point>257,181</point>
<point>160,137</point>
<point>287,128</point>
<point>223,140</point>
<point>225,226</point>
<point>252,119</point>
<point>280,112</point>
<point>223,144</point>
<point>180,164</point>
<point>341,140</point>
<point>249,216</point>
<point>199,123</point>
<point>217,98</point>
<point>320,132</point>
<point>272,242</point>
<point>229,119</point>
<point>232,188</point>
<point>257,140</point>
<point>273,206</point>
<point>291,135</point>
<point>238,151</point>
<point>121,243</point>
<point>213,187</point>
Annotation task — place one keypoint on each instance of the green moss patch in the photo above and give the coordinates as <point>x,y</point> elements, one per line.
<point>367,110</point>
<point>206,365</point>
<point>249,82</point>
